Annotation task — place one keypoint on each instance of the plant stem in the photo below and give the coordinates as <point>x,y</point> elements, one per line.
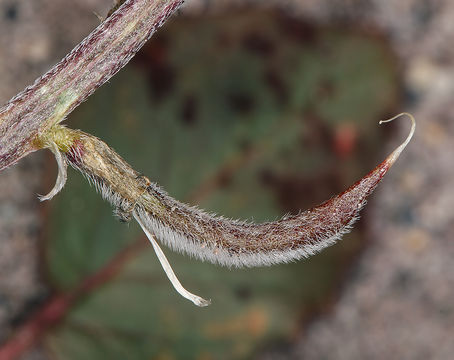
<point>57,307</point>
<point>33,112</point>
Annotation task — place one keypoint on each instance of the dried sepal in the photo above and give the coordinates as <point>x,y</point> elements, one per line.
<point>62,173</point>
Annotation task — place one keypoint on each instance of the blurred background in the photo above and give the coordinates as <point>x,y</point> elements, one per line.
<point>250,109</point>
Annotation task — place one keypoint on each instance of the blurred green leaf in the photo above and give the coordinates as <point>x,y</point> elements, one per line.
<point>240,115</point>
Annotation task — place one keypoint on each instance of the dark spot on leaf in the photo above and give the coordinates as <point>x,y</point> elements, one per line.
<point>277,86</point>
<point>240,102</point>
<point>319,133</point>
<point>224,179</point>
<point>243,292</point>
<point>258,44</point>
<point>224,40</point>
<point>190,110</point>
<point>267,176</point>
<point>245,145</point>
<point>162,80</point>
<point>297,30</point>
<point>161,74</point>
<point>326,89</point>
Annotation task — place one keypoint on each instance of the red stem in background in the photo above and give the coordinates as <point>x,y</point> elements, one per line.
<point>56,308</point>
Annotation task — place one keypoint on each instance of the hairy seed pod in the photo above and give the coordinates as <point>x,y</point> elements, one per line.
<point>212,238</point>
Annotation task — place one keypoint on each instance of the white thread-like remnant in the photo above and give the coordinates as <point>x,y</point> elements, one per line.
<point>197,300</point>
<point>395,154</point>
<point>62,174</point>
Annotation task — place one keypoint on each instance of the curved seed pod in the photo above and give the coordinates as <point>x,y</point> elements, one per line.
<point>235,243</point>
<point>205,236</point>
<point>213,238</point>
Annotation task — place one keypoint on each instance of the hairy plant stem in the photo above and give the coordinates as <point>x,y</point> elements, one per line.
<point>32,113</point>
